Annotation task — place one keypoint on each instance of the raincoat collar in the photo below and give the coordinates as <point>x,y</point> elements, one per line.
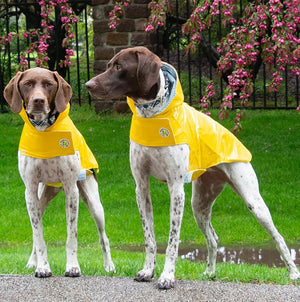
<point>58,119</point>
<point>173,96</point>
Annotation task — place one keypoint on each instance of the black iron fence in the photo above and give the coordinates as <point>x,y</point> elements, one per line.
<point>195,69</point>
<point>21,16</point>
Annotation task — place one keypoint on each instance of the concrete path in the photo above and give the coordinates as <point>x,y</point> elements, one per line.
<point>113,289</point>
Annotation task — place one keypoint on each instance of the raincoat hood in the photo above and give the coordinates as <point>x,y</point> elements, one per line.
<point>176,123</point>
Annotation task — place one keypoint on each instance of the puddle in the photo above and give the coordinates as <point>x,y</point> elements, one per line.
<point>265,256</point>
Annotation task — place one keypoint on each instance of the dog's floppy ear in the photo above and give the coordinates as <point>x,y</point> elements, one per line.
<point>148,68</point>
<point>12,94</point>
<point>63,93</point>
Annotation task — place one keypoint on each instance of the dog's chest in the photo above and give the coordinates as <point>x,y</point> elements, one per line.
<point>52,170</point>
<point>167,164</point>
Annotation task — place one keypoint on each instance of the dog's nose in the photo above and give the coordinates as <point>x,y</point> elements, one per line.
<point>90,85</point>
<point>39,101</point>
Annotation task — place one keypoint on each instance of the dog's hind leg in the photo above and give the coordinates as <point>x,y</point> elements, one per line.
<point>45,195</point>
<point>205,190</point>
<point>88,190</point>
<point>243,180</point>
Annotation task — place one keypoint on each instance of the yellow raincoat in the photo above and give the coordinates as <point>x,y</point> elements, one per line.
<point>178,123</point>
<point>60,139</point>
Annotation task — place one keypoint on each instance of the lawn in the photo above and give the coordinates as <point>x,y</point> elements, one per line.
<point>274,140</point>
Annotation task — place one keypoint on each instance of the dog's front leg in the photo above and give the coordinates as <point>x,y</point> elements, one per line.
<point>167,277</point>
<point>72,201</point>
<point>139,163</point>
<point>45,195</point>
<point>146,213</point>
<point>35,214</point>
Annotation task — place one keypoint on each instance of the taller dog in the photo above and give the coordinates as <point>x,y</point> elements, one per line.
<point>175,143</point>
<point>52,152</point>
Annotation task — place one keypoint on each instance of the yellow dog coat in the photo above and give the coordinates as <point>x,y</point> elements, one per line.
<point>178,123</point>
<point>60,139</point>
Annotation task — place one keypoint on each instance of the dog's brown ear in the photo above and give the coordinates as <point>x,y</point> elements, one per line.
<point>149,65</point>
<point>63,93</point>
<point>12,94</point>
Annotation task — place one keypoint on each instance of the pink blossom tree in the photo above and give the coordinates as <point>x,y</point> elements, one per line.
<point>264,32</point>
<point>43,30</point>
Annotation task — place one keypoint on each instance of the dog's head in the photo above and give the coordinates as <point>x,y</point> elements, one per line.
<point>40,89</point>
<point>132,72</point>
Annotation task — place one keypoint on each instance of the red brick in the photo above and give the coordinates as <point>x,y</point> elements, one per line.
<point>117,39</point>
<point>140,24</point>
<point>103,53</point>
<point>136,11</point>
<point>142,39</point>
<point>101,26</point>
<point>141,2</point>
<point>99,67</point>
<point>126,25</point>
<point>98,2</point>
<point>99,39</point>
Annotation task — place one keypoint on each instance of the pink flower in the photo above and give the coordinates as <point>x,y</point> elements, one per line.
<point>149,27</point>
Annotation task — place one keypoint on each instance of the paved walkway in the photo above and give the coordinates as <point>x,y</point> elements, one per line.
<point>113,289</point>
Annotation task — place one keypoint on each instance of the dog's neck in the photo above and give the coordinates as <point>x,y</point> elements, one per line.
<point>41,121</point>
<point>148,108</point>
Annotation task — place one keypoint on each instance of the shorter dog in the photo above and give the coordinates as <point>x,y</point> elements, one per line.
<point>52,152</point>
<point>175,143</point>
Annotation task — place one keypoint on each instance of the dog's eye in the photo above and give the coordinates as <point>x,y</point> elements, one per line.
<point>117,67</point>
<point>48,84</point>
<point>27,84</point>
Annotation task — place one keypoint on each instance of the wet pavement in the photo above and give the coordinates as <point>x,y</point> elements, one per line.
<point>16,288</point>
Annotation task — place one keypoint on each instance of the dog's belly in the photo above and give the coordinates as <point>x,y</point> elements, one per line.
<point>52,170</point>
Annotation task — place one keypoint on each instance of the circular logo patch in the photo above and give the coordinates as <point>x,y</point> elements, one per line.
<point>164,132</point>
<point>64,143</point>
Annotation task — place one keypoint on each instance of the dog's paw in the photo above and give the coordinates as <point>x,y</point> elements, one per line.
<point>43,273</point>
<point>73,271</point>
<point>166,283</point>
<point>210,273</point>
<point>144,276</point>
<point>109,267</point>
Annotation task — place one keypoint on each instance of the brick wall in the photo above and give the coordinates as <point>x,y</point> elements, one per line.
<point>129,33</point>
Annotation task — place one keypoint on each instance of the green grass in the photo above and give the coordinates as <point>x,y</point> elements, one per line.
<point>274,140</point>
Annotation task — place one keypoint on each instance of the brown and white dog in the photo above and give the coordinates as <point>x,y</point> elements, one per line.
<point>42,96</point>
<point>136,73</point>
